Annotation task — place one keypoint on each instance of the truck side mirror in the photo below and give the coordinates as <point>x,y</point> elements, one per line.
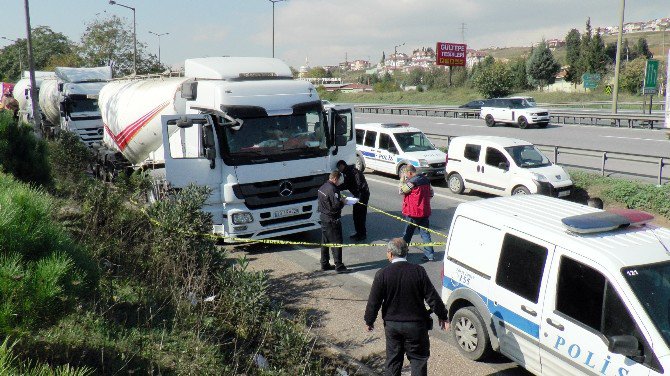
<point>210,154</point>
<point>208,135</point>
<point>625,345</point>
<point>340,140</point>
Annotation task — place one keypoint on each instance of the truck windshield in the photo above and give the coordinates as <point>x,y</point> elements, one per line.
<point>413,141</point>
<point>82,104</point>
<point>527,156</point>
<point>651,286</point>
<point>275,138</point>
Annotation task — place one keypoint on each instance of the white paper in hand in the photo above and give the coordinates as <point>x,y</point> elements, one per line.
<point>350,200</point>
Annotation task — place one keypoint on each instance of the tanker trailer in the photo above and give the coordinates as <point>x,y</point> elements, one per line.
<point>22,93</point>
<point>242,127</point>
<point>70,101</point>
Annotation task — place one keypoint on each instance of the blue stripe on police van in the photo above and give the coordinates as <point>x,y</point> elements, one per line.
<point>502,313</point>
<point>368,154</point>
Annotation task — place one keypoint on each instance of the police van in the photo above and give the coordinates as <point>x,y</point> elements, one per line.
<point>558,287</point>
<point>390,147</point>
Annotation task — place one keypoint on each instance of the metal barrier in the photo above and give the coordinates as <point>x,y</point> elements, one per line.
<point>557,116</point>
<point>603,155</point>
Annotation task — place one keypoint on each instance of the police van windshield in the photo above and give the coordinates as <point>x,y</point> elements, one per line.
<point>527,156</point>
<point>413,141</point>
<point>275,138</point>
<point>651,286</point>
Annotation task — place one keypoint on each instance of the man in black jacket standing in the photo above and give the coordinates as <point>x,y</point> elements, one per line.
<point>354,182</point>
<point>330,207</point>
<point>400,289</point>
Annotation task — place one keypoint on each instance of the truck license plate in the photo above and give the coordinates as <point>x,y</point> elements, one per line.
<point>285,212</point>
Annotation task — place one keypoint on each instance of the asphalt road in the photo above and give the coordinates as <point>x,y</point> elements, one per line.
<point>622,140</point>
<point>365,261</point>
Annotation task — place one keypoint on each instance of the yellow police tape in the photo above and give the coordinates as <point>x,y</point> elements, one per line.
<point>311,244</point>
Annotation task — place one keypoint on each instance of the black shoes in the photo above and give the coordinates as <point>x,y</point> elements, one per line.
<point>341,269</point>
<point>327,267</point>
<point>358,237</point>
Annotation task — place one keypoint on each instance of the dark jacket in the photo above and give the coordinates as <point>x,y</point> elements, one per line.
<point>354,182</point>
<point>400,289</point>
<point>416,203</point>
<point>330,203</point>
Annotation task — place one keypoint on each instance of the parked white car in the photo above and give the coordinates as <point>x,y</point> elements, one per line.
<point>514,111</point>
<point>389,147</point>
<point>523,278</point>
<point>503,166</point>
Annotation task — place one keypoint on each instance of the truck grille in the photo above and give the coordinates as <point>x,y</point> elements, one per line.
<point>437,165</point>
<point>267,194</point>
<point>542,114</point>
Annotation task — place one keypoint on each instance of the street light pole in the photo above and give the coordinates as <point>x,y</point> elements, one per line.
<point>273,24</point>
<point>112,2</point>
<point>20,55</point>
<point>31,65</point>
<point>159,35</point>
<point>615,93</point>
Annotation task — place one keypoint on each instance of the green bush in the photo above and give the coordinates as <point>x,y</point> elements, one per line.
<point>11,365</point>
<point>42,271</point>
<point>69,158</point>
<point>21,154</point>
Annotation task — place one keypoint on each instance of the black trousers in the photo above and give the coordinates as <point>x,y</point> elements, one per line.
<point>407,337</point>
<point>331,232</point>
<point>360,213</point>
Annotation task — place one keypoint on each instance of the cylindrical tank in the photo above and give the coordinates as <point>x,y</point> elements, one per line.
<point>49,101</point>
<point>131,113</point>
<point>20,93</point>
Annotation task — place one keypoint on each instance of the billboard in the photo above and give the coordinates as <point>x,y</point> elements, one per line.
<point>450,54</point>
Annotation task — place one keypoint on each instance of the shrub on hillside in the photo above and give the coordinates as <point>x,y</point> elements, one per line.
<point>21,154</point>
<point>69,159</point>
<point>42,271</point>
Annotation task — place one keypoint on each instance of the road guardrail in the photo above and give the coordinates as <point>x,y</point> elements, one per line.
<point>602,155</point>
<point>557,116</point>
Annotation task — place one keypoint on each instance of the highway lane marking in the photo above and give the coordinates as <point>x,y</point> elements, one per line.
<point>436,194</point>
<point>635,138</point>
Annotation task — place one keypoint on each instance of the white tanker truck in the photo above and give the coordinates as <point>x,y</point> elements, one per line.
<point>70,101</point>
<point>22,92</point>
<point>261,141</point>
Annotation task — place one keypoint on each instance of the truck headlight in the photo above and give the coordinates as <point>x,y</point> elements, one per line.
<point>423,163</point>
<point>540,177</point>
<point>242,218</point>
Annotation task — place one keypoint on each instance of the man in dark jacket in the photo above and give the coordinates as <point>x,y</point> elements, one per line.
<point>330,207</point>
<point>354,182</point>
<point>400,289</point>
<point>417,192</point>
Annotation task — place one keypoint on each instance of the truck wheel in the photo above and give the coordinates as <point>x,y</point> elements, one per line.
<point>360,164</point>
<point>520,190</point>
<point>490,121</point>
<point>455,183</point>
<point>470,334</point>
<point>523,123</point>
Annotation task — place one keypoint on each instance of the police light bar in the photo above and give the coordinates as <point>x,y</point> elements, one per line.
<point>604,221</point>
<point>393,125</point>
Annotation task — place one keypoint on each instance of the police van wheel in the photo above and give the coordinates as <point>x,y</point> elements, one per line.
<point>455,183</point>
<point>360,164</point>
<point>470,334</point>
<point>520,190</point>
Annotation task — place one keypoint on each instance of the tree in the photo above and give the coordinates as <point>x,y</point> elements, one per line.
<point>542,67</point>
<point>317,72</point>
<point>572,57</point>
<point>46,44</point>
<point>415,77</point>
<point>109,42</point>
<point>494,80</point>
<point>598,60</point>
<point>632,75</point>
<point>642,48</point>
<point>519,74</point>
<point>610,51</point>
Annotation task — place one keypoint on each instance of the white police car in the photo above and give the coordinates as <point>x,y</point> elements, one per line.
<point>558,287</point>
<point>389,147</point>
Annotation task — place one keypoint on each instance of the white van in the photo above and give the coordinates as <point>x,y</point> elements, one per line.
<point>503,166</point>
<point>521,278</point>
<point>389,147</point>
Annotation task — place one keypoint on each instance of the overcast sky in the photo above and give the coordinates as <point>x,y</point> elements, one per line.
<point>325,31</point>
